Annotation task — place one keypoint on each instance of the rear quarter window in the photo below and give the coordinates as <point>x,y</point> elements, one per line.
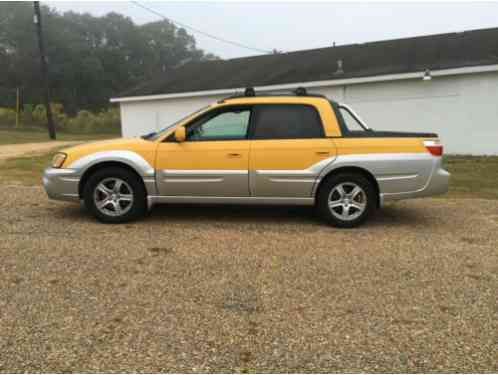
<point>350,122</point>
<point>287,121</point>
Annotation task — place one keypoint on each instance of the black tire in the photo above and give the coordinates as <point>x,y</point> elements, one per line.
<point>330,191</point>
<point>131,211</point>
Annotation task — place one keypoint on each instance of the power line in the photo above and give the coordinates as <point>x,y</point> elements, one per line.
<point>200,31</point>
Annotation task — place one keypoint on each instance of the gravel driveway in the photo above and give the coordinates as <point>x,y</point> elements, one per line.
<point>193,289</point>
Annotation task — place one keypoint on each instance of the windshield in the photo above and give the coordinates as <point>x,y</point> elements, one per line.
<point>155,135</point>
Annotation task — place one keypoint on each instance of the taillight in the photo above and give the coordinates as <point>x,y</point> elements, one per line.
<point>434,147</point>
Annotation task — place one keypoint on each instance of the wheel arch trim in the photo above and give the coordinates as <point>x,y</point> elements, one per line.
<point>130,158</point>
<point>124,158</point>
<point>345,168</point>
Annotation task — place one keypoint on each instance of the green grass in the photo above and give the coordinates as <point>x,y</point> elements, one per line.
<point>471,176</point>
<point>25,170</point>
<point>36,135</point>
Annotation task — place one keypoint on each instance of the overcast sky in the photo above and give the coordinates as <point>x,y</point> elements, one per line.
<point>290,26</point>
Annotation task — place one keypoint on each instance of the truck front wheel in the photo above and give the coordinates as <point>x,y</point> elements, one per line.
<point>114,195</point>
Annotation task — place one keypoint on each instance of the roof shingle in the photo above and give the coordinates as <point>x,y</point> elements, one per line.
<point>441,51</point>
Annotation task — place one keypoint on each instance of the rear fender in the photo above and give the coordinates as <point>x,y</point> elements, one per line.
<point>394,172</point>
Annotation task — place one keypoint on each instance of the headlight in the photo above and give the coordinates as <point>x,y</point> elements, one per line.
<point>58,160</point>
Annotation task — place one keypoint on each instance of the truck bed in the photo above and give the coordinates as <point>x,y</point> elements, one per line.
<point>388,134</point>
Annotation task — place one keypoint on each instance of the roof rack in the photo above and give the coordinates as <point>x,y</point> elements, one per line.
<point>250,92</point>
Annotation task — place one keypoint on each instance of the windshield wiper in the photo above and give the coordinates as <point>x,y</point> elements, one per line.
<point>148,135</point>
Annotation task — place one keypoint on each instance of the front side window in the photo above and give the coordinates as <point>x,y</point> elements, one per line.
<point>225,125</point>
<point>287,121</point>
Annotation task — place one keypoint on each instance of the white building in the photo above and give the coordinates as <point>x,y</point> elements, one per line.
<point>383,81</point>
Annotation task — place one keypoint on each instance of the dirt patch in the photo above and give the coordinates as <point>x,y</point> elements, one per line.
<point>18,150</point>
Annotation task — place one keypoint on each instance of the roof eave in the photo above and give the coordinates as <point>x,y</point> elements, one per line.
<point>311,84</point>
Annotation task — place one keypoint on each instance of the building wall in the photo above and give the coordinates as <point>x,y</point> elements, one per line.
<point>462,109</point>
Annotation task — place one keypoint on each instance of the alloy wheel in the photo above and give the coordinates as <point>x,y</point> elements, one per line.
<point>113,197</point>
<point>347,201</point>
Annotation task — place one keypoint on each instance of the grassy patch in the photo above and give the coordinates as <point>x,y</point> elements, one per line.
<point>26,170</point>
<point>35,135</point>
<point>472,176</point>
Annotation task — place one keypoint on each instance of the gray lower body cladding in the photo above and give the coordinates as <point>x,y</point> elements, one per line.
<point>399,176</point>
<point>61,184</point>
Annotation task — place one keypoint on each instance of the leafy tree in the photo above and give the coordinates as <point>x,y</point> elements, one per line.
<point>90,58</point>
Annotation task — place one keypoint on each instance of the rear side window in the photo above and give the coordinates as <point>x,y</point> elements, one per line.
<point>287,121</point>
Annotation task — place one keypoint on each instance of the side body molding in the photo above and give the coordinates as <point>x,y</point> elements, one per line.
<point>287,182</point>
<point>130,158</point>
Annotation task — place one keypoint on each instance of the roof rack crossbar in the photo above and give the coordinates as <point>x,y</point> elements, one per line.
<point>251,92</point>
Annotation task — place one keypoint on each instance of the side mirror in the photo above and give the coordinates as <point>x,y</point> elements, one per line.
<point>180,134</point>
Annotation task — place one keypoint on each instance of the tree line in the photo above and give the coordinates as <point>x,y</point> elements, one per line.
<point>90,58</point>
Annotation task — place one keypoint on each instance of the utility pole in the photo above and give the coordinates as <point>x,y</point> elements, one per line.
<point>44,71</point>
<point>18,106</point>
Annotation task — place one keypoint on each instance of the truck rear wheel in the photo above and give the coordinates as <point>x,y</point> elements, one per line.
<point>114,195</point>
<point>346,200</point>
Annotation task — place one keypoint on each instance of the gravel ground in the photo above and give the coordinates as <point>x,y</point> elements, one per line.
<point>198,289</point>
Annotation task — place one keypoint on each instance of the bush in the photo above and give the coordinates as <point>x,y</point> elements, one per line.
<point>39,114</point>
<point>28,114</point>
<point>7,117</point>
<point>105,121</point>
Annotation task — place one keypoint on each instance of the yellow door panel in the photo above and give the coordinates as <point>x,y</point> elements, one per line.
<point>289,153</point>
<point>203,155</point>
<point>284,167</point>
<point>203,168</point>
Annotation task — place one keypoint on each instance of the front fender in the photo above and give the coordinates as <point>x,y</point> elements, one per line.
<point>130,158</point>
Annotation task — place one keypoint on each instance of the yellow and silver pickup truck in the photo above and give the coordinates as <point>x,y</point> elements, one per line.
<point>294,149</point>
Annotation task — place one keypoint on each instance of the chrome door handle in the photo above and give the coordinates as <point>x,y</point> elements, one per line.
<point>234,155</point>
